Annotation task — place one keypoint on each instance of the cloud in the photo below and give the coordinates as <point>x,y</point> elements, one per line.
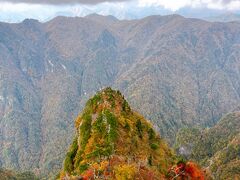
<point>17,10</point>
<point>222,4</point>
<point>62,2</point>
<point>174,5</point>
<point>168,4</point>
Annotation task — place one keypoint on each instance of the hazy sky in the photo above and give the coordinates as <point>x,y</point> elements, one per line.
<point>17,10</point>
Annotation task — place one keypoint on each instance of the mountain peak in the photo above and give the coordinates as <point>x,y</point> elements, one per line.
<point>98,16</point>
<point>107,99</point>
<point>112,140</point>
<point>110,96</point>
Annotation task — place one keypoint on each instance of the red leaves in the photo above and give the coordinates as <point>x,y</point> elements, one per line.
<point>186,170</point>
<point>89,174</point>
<point>180,168</point>
<point>194,171</point>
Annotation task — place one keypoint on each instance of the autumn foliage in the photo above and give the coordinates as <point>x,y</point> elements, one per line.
<point>188,170</point>
<point>114,142</point>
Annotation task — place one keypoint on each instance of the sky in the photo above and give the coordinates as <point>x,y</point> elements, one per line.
<point>44,10</point>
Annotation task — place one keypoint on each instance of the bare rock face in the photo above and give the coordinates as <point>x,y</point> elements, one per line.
<point>177,72</point>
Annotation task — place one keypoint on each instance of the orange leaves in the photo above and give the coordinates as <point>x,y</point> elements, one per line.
<point>103,165</point>
<point>62,174</point>
<point>89,174</point>
<point>194,171</point>
<point>186,170</point>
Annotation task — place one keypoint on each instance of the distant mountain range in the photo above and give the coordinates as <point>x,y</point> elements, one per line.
<point>177,72</point>
<point>229,17</point>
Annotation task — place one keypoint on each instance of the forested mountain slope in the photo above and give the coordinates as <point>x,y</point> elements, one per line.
<point>216,148</point>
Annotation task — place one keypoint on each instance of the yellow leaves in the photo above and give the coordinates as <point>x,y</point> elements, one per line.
<point>125,172</point>
<point>100,166</point>
<point>89,147</point>
<point>83,162</point>
<point>62,175</point>
<point>95,165</point>
<point>122,121</point>
<point>77,122</point>
<point>103,165</point>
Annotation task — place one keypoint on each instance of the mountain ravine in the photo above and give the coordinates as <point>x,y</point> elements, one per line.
<point>177,72</point>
